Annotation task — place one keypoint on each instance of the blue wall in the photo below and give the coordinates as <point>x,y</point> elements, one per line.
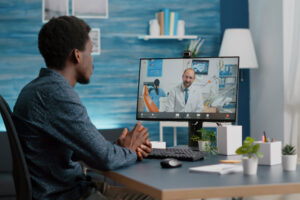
<point>235,14</point>
<point>110,98</point>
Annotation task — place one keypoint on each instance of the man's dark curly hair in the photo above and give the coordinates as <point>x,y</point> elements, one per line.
<point>59,37</point>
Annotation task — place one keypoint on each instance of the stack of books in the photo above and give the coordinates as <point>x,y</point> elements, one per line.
<point>168,21</point>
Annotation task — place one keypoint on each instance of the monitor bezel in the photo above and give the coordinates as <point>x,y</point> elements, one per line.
<point>192,119</point>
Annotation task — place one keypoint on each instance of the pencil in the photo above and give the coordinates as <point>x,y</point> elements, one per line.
<point>230,161</point>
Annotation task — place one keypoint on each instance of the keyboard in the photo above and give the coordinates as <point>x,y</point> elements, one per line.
<point>178,153</point>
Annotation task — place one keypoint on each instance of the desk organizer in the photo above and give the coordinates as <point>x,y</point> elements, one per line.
<point>229,138</point>
<point>271,151</point>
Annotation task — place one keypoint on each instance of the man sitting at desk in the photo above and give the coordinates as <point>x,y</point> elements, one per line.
<point>54,127</point>
<point>185,97</point>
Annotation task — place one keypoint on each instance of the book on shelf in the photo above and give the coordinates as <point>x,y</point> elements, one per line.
<point>176,16</point>
<point>166,21</point>
<point>172,18</point>
<point>160,18</point>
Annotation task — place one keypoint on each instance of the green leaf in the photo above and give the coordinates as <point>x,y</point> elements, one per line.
<point>256,148</point>
<point>259,154</point>
<point>288,150</point>
<point>248,149</point>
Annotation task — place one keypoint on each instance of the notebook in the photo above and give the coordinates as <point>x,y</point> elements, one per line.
<point>218,168</point>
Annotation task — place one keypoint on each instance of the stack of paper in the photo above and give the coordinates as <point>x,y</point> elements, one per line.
<point>218,168</point>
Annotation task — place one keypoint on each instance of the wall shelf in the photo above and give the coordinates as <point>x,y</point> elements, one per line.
<point>150,37</point>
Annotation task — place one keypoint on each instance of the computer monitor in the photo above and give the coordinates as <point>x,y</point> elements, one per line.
<point>211,95</point>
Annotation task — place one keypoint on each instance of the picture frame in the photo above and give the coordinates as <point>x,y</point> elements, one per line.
<point>200,66</point>
<point>54,8</point>
<point>90,8</point>
<point>95,38</point>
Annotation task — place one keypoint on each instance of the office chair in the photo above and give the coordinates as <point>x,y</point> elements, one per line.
<point>20,170</point>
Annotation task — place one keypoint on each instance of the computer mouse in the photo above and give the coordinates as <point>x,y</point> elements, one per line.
<point>170,163</point>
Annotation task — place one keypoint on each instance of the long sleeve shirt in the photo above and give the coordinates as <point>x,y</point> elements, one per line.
<point>54,129</point>
<point>176,100</point>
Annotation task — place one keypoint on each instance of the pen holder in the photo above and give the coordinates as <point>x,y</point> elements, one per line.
<point>229,138</point>
<point>271,151</point>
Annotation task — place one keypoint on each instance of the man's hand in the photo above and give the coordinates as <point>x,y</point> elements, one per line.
<point>136,140</point>
<point>144,150</point>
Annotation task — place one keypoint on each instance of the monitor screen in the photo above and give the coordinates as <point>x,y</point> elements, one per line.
<point>188,89</point>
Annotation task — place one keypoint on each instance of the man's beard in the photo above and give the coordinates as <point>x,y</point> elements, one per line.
<point>83,80</point>
<point>186,84</point>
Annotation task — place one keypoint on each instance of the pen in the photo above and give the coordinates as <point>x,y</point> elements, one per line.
<point>265,135</point>
<point>230,161</point>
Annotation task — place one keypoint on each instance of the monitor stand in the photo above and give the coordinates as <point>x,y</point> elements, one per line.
<point>193,127</point>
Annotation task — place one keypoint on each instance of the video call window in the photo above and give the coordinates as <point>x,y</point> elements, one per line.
<point>166,92</point>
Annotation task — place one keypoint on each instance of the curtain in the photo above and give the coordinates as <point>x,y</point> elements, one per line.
<point>292,79</point>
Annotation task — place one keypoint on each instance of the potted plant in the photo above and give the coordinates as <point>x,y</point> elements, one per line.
<point>251,154</point>
<point>206,140</point>
<point>193,49</point>
<point>289,158</point>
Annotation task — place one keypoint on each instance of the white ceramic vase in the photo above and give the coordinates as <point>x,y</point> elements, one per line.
<point>154,28</point>
<point>289,162</point>
<point>250,165</point>
<point>180,28</point>
<point>202,144</point>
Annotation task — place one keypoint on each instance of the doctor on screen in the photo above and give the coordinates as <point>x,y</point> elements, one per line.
<point>185,97</point>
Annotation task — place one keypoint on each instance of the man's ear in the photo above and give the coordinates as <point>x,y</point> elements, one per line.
<point>76,56</point>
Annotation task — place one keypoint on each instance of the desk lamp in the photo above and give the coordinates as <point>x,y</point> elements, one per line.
<point>238,42</point>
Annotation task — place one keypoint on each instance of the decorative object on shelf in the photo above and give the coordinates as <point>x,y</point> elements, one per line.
<point>206,140</point>
<point>238,42</point>
<point>154,28</point>
<point>195,46</point>
<point>181,27</point>
<point>289,158</point>
<point>251,154</point>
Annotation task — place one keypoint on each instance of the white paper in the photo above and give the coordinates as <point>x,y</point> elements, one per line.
<point>218,168</point>
<point>158,145</point>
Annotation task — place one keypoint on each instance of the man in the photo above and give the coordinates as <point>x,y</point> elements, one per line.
<point>185,97</point>
<point>156,93</point>
<point>54,127</point>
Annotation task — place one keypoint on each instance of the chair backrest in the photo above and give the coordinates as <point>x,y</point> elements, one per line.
<point>20,170</point>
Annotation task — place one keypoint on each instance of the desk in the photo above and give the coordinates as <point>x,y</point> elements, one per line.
<point>177,183</point>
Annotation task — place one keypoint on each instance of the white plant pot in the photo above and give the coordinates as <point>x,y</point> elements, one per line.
<point>202,144</point>
<point>250,165</point>
<point>289,162</point>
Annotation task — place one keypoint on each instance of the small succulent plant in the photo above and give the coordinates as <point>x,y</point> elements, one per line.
<point>288,150</point>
